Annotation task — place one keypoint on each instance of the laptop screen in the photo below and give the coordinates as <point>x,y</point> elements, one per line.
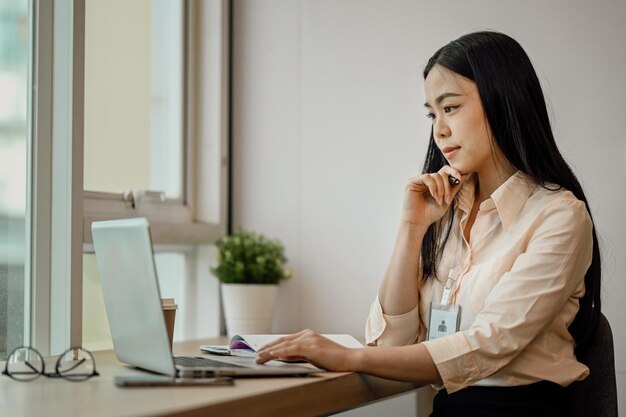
<point>131,294</point>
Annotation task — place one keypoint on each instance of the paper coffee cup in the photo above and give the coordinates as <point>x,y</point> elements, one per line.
<point>169,313</point>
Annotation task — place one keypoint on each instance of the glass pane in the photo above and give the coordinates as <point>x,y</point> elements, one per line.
<point>172,274</point>
<point>14,287</point>
<point>96,334</point>
<point>134,96</point>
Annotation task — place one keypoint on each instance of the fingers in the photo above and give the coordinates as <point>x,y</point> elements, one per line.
<point>435,186</point>
<point>451,180</point>
<point>455,173</point>
<point>290,347</point>
<point>442,185</point>
<point>283,339</point>
<point>454,176</point>
<point>288,351</point>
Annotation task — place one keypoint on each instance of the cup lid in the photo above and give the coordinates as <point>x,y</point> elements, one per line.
<point>168,303</point>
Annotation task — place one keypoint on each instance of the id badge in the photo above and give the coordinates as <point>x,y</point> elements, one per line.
<point>443,320</point>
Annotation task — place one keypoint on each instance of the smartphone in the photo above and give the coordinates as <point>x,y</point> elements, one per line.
<point>167,381</point>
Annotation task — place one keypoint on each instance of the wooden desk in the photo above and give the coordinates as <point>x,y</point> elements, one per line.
<point>320,394</point>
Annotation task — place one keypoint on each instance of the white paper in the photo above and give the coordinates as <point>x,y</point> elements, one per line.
<point>248,344</point>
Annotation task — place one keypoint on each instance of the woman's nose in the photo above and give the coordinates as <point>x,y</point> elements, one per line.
<point>441,129</point>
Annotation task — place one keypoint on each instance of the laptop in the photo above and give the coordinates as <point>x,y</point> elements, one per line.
<point>133,305</point>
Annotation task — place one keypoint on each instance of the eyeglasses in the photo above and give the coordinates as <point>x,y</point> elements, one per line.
<point>26,364</point>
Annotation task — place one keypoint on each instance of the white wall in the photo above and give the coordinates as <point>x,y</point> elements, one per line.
<point>328,124</point>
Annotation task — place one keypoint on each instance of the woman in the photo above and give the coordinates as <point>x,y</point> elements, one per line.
<point>494,279</point>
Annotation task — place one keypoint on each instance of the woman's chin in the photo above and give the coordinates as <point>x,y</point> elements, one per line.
<point>460,167</point>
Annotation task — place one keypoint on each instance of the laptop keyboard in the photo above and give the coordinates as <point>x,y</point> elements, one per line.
<point>202,362</point>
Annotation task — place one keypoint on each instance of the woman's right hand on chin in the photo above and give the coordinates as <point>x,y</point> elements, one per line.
<point>427,197</point>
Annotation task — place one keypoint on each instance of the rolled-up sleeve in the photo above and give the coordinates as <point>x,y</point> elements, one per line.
<point>525,301</point>
<point>385,330</point>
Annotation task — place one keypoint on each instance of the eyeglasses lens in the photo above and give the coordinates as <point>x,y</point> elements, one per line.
<point>25,364</point>
<point>76,364</point>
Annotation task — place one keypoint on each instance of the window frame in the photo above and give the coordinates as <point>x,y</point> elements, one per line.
<point>61,220</point>
<point>187,220</point>
<point>55,157</point>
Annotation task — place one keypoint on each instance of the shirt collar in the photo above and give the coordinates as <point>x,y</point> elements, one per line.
<point>465,196</point>
<point>508,199</point>
<point>511,196</point>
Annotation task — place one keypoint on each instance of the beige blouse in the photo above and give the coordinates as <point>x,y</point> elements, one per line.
<point>521,278</point>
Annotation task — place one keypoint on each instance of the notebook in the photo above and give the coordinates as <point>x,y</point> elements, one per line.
<point>133,304</point>
<point>246,345</point>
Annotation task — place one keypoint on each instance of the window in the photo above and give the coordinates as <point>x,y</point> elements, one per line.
<point>155,145</point>
<point>43,119</point>
<point>15,50</point>
<point>155,126</point>
<point>134,94</point>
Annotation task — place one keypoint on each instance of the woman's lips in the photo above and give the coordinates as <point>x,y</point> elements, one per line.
<point>450,151</point>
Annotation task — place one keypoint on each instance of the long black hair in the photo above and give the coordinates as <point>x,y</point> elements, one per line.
<point>516,111</point>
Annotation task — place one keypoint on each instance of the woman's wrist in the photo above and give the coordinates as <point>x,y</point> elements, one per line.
<point>412,230</point>
<point>356,359</point>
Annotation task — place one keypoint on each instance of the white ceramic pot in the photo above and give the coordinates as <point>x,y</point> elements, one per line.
<point>248,308</point>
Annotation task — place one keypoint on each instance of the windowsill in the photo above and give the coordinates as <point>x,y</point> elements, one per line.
<point>186,234</point>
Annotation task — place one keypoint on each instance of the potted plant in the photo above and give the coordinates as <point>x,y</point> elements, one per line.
<point>250,267</point>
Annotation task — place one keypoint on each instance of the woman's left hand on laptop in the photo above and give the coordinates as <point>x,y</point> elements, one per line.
<point>312,347</point>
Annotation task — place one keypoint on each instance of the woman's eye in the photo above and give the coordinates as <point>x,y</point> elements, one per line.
<point>448,109</point>
<point>430,116</point>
